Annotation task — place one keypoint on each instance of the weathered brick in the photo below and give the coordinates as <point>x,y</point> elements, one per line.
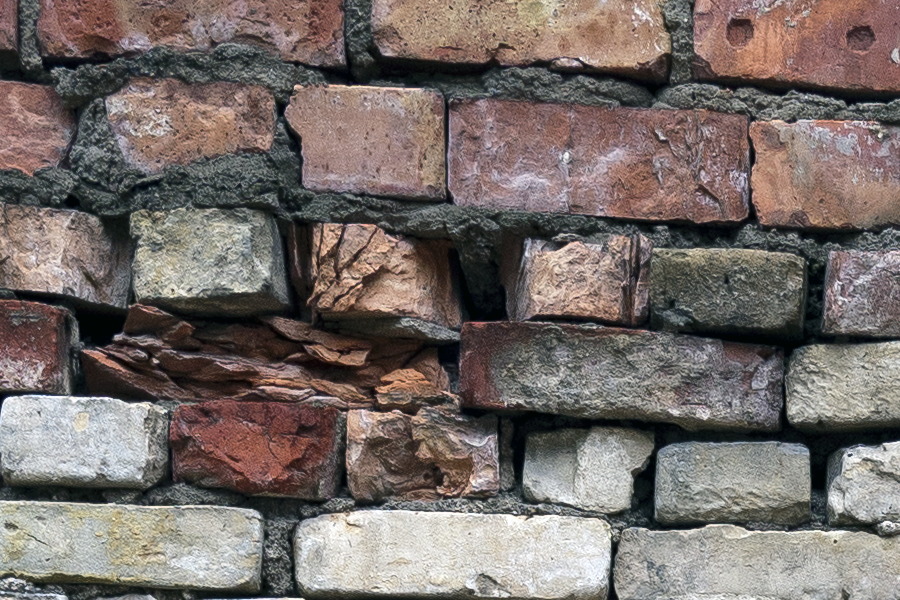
<point>862,294</point>
<point>162,122</point>
<point>9,28</point>
<point>626,38</point>
<point>371,140</point>
<point>609,373</point>
<point>728,291</point>
<point>259,448</point>
<point>426,456</point>
<point>826,174</point>
<point>36,342</point>
<point>452,555</point>
<point>651,165</point>
<point>734,482</point>
<point>209,261</point>
<point>306,31</point>
<point>82,442</point>
<point>593,469</point>
<point>37,128</point>
<point>864,484</point>
<point>603,280</point>
<point>197,547</point>
<point>827,44</point>
<point>65,253</point>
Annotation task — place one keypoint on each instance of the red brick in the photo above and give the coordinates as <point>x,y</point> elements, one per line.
<point>35,348</point>
<point>653,165</point>
<point>627,37</point>
<point>37,128</point>
<point>862,294</point>
<point>163,122</point>
<point>371,140</point>
<point>306,31</point>
<point>826,44</point>
<point>826,174</point>
<point>9,27</point>
<point>259,448</point>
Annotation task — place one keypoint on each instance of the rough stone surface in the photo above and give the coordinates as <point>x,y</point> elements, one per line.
<point>259,448</point>
<point>651,165</point>
<point>726,561</point>
<point>371,140</point>
<point>209,261</point>
<point>827,44</point>
<point>197,547</point>
<point>306,31</point>
<point>728,291</point>
<point>826,174</point>
<point>844,387</point>
<point>66,253</point>
<point>19,589</point>
<point>604,281</point>
<point>158,123</point>
<point>735,482</point>
<point>626,38</point>
<point>37,128</point>
<point>862,294</point>
<point>36,342</point>
<point>609,373</point>
<point>82,442</point>
<point>864,484</point>
<point>432,454</point>
<point>452,555</point>
<point>9,27</point>
<point>593,469</point>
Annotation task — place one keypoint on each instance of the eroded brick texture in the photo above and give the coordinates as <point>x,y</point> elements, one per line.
<point>36,342</point>
<point>37,128</point>
<point>862,294</point>
<point>9,27</point>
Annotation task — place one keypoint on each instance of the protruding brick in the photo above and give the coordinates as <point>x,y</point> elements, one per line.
<point>9,28</point>
<point>259,448</point>
<point>604,280</point>
<point>734,482</point>
<point>65,253</point>
<point>196,547</point>
<point>432,454</point>
<point>626,38</point>
<point>862,294</point>
<point>158,123</point>
<point>649,165</point>
<point>306,31</point>
<point>593,469</point>
<point>829,44</point>
<point>37,128</point>
<point>826,174</point>
<point>209,261</point>
<point>728,291</point>
<point>609,373</point>
<point>82,442</point>
<point>452,555</point>
<point>371,140</point>
<point>864,484</point>
<point>36,342</point>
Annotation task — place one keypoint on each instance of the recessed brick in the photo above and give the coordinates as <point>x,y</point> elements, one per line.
<point>864,484</point>
<point>36,341</point>
<point>37,128</point>
<point>623,37</point>
<point>371,140</point>
<point>163,122</point>
<point>306,31</point>
<point>829,44</point>
<point>648,165</point>
<point>826,174</point>
<point>9,27</point>
<point>862,294</point>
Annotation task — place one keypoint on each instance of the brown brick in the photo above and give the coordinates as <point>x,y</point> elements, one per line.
<point>35,348</point>
<point>9,27</point>
<point>37,128</point>
<point>826,174</point>
<point>371,140</point>
<point>862,294</point>
<point>306,31</point>
<point>654,165</point>
<point>826,44</point>
<point>163,122</point>
<point>626,37</point>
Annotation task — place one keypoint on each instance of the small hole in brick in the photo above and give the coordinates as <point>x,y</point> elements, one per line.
<point>739,32</point>
<point>860,39</point>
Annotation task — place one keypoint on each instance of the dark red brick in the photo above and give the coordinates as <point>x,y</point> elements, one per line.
<point>862,294</point>
<point>35,348</point>
<point>37,128</point>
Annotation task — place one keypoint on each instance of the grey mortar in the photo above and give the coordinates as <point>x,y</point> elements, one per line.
<point>679,19</point>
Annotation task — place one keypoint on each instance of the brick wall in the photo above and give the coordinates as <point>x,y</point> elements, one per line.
<point>467,299</point>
